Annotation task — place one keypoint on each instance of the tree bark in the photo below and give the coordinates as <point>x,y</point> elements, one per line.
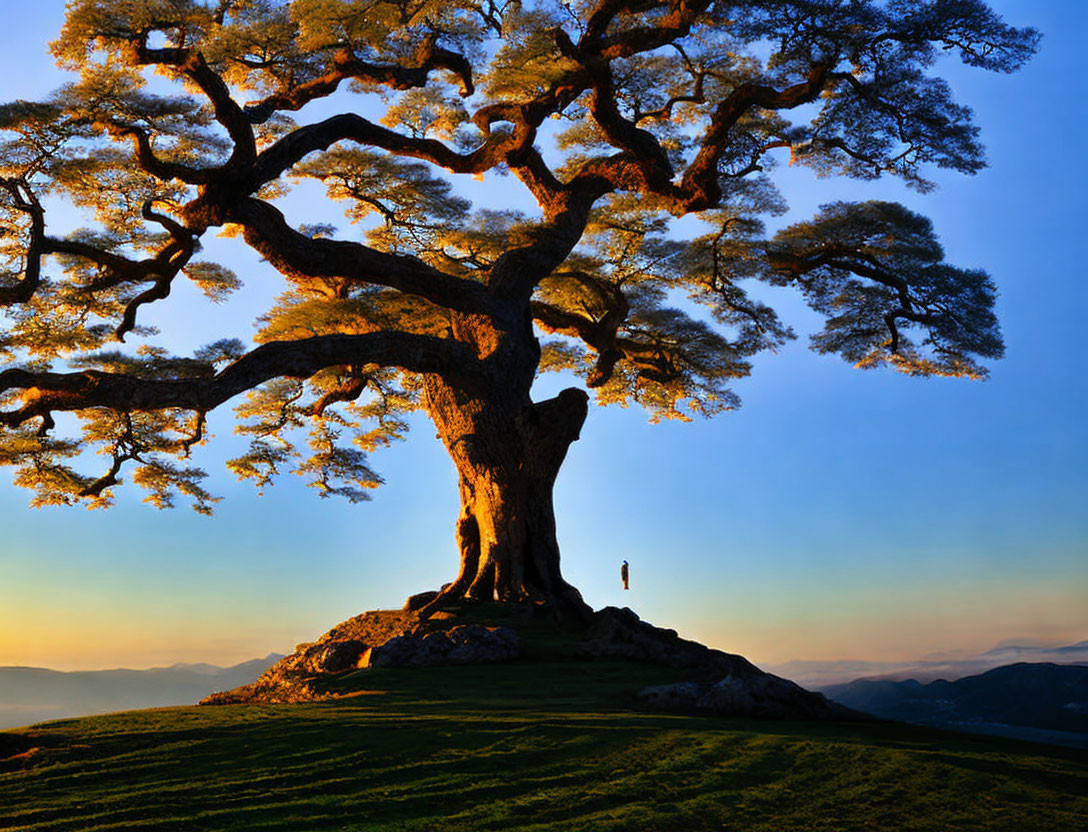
<point>507,451</point>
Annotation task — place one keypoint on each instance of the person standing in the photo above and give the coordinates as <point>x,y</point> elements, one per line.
<point>625,575</point>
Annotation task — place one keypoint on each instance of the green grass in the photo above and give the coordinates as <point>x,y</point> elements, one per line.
<point>527,746</point>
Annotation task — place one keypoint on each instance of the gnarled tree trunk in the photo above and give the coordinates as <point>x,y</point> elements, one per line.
<point>508,451</point>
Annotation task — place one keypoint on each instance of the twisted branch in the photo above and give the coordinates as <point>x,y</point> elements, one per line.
<point>46,392</point>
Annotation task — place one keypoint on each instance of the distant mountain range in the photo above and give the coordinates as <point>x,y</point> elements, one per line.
<point>1043,701</point>
<point>1039,701</point>
<point>821,674</point>
<point>34,694</point>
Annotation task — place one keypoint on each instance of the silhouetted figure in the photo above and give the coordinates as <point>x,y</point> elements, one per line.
<point>625,575</point>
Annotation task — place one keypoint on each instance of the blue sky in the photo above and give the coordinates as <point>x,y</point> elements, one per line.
<point>838,514</point>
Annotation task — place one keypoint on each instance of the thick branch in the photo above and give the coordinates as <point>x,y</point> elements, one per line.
<point>699,189</point>
<point>600,335</point>
<point>643,164</point>
<point>861,269</point>
<point>24,200</point>
<point>47,392</point>
<point>151,163</point>
<point>227,111</point>
<point>595,51</point>
<point>346,65</point>
<point>668,29</point>
<point>517,271</point>
<point>601,17</point>
<point>289,150</point>
<point>655,361</point>
<point>294,253</point>
<point>554,319</point>
<point>646,152</point>
<point>349,391</point>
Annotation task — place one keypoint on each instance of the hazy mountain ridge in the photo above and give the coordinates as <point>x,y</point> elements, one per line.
<point>1043,697</point>
<point>818,675</point>
<point>34,694</point>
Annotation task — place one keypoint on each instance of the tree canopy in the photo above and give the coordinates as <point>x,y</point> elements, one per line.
<point>619,117</point>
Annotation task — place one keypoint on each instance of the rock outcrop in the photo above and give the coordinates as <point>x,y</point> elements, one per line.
<point>723,683</point>
<point>763,695</point>
<point>616,633</point>
<point>383,638</point>
<point>464,644</point>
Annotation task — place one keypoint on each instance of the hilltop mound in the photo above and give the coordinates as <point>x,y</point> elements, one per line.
<point>716,682</point>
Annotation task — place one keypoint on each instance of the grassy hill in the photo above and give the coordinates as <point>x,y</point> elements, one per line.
<point>533,745</point>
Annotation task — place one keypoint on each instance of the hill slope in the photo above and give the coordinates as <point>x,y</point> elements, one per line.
<point>533,745</point>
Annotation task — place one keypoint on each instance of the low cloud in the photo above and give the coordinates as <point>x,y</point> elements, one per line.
<point>949,666</point>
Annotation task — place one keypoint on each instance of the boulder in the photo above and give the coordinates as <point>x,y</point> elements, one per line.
<point>733,696</point>
<point>679,697</point>
<point>620,634</point>
<point>465,644</point>
<point>474,644</point>
<point>396,652</point>
<point>765,696</point>
<point>419,600</point>
<point>759,695</point>
<point>335,656</point>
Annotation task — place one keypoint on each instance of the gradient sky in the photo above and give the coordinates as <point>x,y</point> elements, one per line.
<point>838,514</point>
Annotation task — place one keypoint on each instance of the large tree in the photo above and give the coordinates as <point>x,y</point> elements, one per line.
<point>618,117</point>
